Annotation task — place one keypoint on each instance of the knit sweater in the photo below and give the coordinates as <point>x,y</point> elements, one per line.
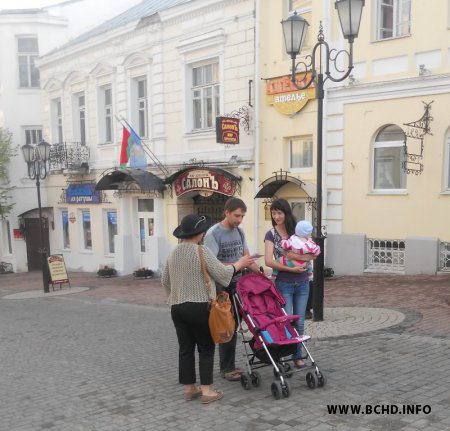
<point>183,279</point>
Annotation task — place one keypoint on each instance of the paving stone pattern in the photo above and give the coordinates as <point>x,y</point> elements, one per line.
<point>106,360</point>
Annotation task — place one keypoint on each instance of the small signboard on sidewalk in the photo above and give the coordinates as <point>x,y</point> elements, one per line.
<point>57,268</point>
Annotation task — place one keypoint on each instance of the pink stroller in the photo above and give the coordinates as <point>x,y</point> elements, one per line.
<point>259,304</point>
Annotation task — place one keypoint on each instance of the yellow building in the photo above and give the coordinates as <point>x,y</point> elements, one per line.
<point>386,181</point>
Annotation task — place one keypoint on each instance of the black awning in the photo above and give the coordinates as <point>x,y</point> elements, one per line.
<point>34,212</point>
<point>273,184</point>
<point>223,172</point>
<point>115,180</point>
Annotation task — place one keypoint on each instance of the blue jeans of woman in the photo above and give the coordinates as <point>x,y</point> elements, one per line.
<point>296,297</point>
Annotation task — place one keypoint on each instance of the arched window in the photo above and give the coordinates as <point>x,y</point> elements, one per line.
<point>388,157</point>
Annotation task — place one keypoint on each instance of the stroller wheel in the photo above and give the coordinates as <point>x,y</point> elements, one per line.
<point>256,379</point>
<point>312,380</point>
<point>246,381</point>
<point>276,390</point>
<point>322,379</point>
<point>286,389</point>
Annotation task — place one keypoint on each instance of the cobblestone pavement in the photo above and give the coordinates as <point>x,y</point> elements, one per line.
<point>106,359</point>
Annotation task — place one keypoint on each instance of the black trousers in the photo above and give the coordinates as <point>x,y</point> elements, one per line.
<point>191,324</point>
<point>227,351</point>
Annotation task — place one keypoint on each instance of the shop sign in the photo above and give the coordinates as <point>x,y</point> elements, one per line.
<point>227,130</point>
<point>82,194</point>
<point>284,97</point>
<point>204,180</point>
<point>18,233</point>
<point>57,268</point>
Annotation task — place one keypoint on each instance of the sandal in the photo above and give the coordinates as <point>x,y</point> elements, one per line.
<point>206,399</point>
<point>232,376</point>
<point>189,396</point>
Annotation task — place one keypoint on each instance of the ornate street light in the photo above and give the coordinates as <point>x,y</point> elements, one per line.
<point>315,69</point>
<point>36,157</point>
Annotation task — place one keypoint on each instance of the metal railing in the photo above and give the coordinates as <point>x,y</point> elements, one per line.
<point>444,256</point>
<point>71,156</point>
<point>385,255</point>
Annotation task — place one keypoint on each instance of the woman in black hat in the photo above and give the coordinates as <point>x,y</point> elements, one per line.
<point>184,282</point>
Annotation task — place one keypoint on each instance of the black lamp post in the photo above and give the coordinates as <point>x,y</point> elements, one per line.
<point>315,69</point>
<point>36,157</point>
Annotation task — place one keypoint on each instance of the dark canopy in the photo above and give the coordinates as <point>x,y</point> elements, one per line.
<point>145,180</point>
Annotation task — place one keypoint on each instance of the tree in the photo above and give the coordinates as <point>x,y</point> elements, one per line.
<point>6,152</point>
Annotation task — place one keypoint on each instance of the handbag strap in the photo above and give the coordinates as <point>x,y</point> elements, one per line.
<point>205,273</point>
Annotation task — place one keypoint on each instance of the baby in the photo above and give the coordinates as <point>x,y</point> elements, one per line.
<point>300,243</point>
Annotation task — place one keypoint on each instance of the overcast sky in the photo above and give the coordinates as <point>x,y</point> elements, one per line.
<point>21,4</point>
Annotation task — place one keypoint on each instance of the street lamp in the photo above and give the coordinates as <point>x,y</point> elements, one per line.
<point>36,157</point>
<point>315,69</point>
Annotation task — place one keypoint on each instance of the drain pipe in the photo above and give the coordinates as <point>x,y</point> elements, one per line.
<point>257,153</point>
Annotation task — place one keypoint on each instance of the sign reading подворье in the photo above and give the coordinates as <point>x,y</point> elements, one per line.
<point>82,194</point>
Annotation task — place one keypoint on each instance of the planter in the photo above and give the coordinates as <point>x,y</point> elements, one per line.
<point>143,273</point>
<point>106,272</point>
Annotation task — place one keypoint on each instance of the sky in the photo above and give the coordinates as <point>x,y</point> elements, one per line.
<point>21,4</point>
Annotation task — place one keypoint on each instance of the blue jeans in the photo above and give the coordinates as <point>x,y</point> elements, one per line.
<point>296,297</point>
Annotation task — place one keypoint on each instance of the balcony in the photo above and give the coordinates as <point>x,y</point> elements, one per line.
<point>69,158</point>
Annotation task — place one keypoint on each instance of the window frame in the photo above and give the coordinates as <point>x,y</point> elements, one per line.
<point>86,233</point>
<point>57,120</point>
<point>109,241</point>
<point>79,117</point>
<point>29,131</point>
<point>303,140</point>
<point>33,81</point>
<point>447,165</point>
<point>388,144</point>
<point>398,8</point>
<point>214,97</point>
<point>106,114</point>
<point>65,236</point>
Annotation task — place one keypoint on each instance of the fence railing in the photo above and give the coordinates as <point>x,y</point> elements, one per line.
<point>386,255</point>
<point>444,256</point>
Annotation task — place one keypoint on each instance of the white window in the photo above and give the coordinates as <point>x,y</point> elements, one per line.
<point>56,113</point>
<point>388,159</point>
<point>301,153</point>
<point>140,106</point>
<point>205,95</point>
<point>111,223</point>
<point>27,53</point>
<point>106,114</point>
<point>87,235</point>
<point>33,135</point>
<point>393,18</point>
<point>80,118</point>
<point>65,229</point>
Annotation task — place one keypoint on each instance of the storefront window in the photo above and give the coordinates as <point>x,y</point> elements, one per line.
<point>87,236</point>
<point>65,228</point>
<point>111,217</point>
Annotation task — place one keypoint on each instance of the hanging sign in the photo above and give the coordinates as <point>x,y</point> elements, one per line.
<point>57,268</point>
<point>204,180</point>
<point>82,194</point>
<point>227,130</point>
<point>285,97</point>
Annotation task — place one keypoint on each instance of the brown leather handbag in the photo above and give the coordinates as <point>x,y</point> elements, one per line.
<point>221,320</point>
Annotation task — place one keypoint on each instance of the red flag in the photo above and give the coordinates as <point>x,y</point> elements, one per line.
<point>125,150</point>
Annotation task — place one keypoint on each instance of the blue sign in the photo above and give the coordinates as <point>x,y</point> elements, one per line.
<point>82,194</point>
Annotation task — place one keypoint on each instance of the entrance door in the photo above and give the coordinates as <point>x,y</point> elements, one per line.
<point>211,206</point>
<point>33,242</point>
<point>146,220</point>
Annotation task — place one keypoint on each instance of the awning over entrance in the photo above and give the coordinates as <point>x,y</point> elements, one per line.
<point>271,185</point>
<point>125,179</point>
<point>34,213</point>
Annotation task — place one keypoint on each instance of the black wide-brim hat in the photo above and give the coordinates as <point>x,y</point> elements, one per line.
<point>192,225</point>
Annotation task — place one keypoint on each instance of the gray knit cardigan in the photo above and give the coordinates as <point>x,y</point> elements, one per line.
<point>183,279</point>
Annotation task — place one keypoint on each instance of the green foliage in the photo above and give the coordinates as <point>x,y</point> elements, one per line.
<point>6,152</point>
